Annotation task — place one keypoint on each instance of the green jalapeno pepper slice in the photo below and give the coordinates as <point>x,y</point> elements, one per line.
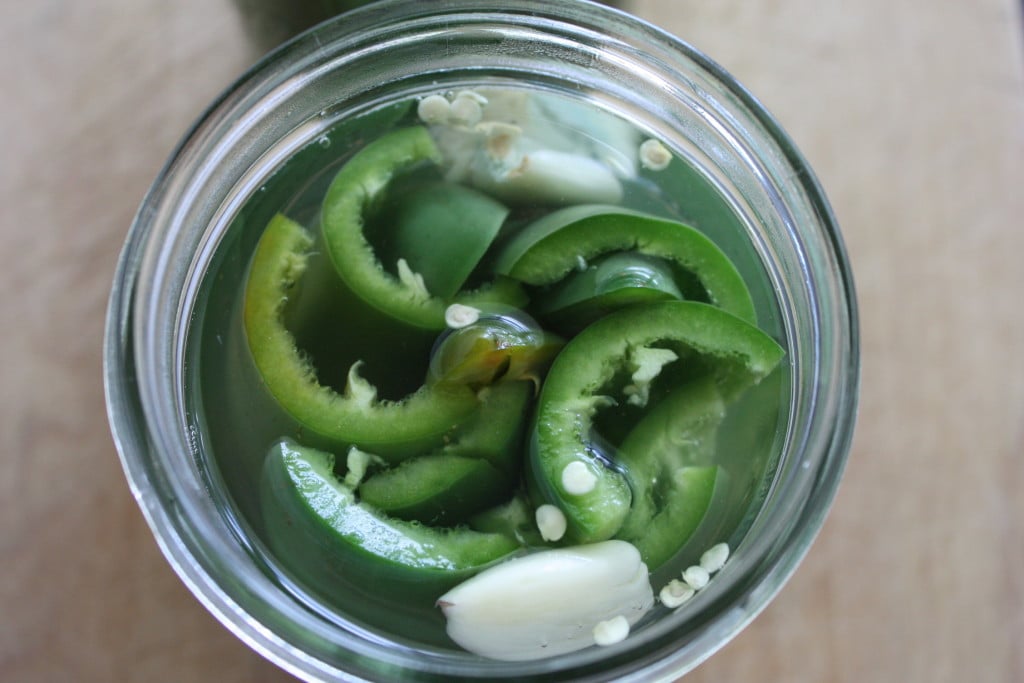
<point>479,466</point>
<point>456,223</point>
<point>441,231</point>
<point>322,534</point>
<point>668,459</point>
<point>439,489</point>
<point>497,343</point>
<point>514,518</point>
<point>704,339</point>
<point>550,248</point>
<point>395,246</point>
<point>393,429</point>
<point>612,282</point>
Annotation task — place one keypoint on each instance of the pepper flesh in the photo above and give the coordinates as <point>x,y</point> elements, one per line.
<point>617,281</point>
<point>515,518</point>
<point>503,343</point>
<point>734,353</point>
<point>550,248</point>
<point>668,459</point>
<point>391,429</point>
<point>437,489</point>
<point>319,530</point>
<point>479,466</point>
<point>361,183</point>
<point>441,230</point>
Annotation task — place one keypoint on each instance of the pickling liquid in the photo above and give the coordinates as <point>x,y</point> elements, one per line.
<point>236,421</point>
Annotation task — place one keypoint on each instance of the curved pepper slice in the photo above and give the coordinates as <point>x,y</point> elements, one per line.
<point>500,343</point>
<point>693,492</point>
<point>359,185</point>
<point>708,340</point>
<point>440,489</point>
<point>548,249</point>
<point>391,429</point>
<point>478,467</point>
<point>316,527</point>
<point>495,433</point>
<point>668,459</point>
<point>614,282</point>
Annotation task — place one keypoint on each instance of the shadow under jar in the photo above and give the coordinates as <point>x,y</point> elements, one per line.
<point>193,417</point>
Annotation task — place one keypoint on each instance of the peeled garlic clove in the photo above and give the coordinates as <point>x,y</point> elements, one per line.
<point>550,176</point>
<point>548,603</point>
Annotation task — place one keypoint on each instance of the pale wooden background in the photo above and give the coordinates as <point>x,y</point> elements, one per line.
<point>913,115</point>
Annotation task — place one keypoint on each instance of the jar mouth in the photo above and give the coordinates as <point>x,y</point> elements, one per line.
<point>604,53</point>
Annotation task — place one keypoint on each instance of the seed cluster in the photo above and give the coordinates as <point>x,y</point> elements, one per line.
<point>676,592</point>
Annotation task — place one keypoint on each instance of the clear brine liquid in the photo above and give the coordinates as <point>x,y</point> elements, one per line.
<point>238,421</point>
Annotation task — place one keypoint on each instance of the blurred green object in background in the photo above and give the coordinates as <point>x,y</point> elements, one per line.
<point>269,23</point>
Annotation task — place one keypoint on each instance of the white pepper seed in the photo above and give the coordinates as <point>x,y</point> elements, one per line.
<point>675,593</point>
<point>466,111</point>
<point>434,109</point>
<point>714,558</point>
<point>577,479</point>
<point>696,577</point>
<point>611,631</point>
<point>654,156</point>
<point>460,315</point>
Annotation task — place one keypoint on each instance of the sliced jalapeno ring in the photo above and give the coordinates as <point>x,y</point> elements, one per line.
<point>319,530</point>
<point>439,489</point>
<point>668,458</point>
<point>562,467</point>
<point>358,188</point>
<point>480,466</point>
<point>610,283</point>
<point>440,231</point>
<point>392,429</point>
<point>550,248</point>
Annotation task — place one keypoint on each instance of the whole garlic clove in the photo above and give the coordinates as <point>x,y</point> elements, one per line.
<point>548,603</point>
<point>550,176</point>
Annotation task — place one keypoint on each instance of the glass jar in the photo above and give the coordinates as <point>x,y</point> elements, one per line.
<point>288,105</point>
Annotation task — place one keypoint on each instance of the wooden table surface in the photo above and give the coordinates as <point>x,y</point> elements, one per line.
<point>911,112</point>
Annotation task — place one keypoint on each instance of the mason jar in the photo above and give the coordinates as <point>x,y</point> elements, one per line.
<point>188,418</point>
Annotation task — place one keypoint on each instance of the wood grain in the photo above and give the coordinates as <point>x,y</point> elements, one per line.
<point>911,113</point>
